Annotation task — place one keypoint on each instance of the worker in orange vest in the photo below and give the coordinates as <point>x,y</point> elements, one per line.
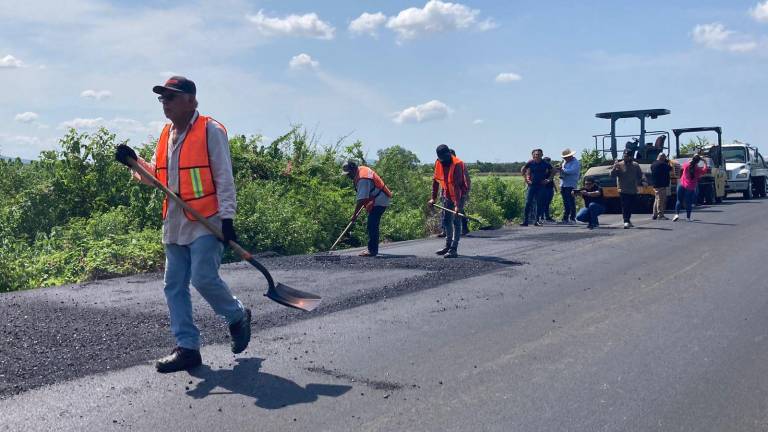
<point>192,159</point>
<point>449,176</point>
<point>468,181</point>
<point>372,194</point>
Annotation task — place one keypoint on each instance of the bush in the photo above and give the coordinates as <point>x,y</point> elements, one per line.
<point>508,196</point>
<point>404,225</point>
<point>76,215</point>
<point>490,213</point>
<point>267,220</point>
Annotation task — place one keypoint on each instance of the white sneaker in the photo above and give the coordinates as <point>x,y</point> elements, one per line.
<point>627,225</point>
<point>674,219</point>
<point>689,219</point>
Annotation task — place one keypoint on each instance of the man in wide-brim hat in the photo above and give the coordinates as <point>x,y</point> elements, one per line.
<point>569,179</point>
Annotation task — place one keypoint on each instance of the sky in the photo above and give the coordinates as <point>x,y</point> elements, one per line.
<point>492,79</point>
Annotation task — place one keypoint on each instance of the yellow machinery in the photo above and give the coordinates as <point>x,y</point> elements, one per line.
<point>606,146</point>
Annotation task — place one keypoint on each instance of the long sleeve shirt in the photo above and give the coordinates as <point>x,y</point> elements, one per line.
<point>685,177</point>
<point>569,173</point>
<point>628,177</point>
<point>177,229</point>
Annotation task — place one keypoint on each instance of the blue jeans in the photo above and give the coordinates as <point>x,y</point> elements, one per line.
<point>689,196</point>
<point>534,198</point>
<point>452,223</point>
<point>374,219</point>
<point>197,262</point>
<point>569,203</point>
<point>589,214</point>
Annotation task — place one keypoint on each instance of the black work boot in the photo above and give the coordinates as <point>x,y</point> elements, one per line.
<point>241,333</point>
<point>451,253</point>
<point>443,251</point>
<point>180,359</point>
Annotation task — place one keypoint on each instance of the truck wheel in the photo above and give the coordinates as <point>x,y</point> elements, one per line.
<point>762,186</point>
<point>748,192</point>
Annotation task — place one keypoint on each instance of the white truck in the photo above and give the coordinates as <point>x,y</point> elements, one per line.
<point>747,170</point>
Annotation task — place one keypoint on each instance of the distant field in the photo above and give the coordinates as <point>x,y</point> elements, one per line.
<point>507,178</point>
<point>504,176</point>
<point>499,174</point>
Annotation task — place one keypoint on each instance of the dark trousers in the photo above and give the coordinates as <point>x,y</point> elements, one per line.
<point>547,195</point>
<point>569,203</point>
<point>452,223</point>
<point>533,198</point>
<point>374,219</point>
<point>627,204</point>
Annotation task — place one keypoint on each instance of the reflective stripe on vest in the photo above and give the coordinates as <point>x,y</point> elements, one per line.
<point>196,186</point>
<point>450,189</point>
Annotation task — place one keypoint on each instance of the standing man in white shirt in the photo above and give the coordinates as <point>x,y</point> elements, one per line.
<point>192,159</point>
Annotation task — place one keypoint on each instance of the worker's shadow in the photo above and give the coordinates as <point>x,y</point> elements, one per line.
<point>269,391</point>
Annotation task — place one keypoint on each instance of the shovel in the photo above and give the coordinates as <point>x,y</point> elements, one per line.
<point>463,215</point>
<point>279,293</point>
<point>328,256</point>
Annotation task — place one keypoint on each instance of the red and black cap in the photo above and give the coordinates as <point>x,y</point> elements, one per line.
<point>176,84</point>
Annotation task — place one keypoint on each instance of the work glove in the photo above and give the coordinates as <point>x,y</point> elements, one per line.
<point>123,152</point>
<point>228,230</point>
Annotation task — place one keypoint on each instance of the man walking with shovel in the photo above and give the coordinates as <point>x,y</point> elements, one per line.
<point>372,194</point>
<point>192,159</point>
<point>449,176</point>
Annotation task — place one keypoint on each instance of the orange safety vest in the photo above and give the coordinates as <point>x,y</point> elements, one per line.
<point>450,189</point>
<point>196,186</point>
<point>363,172</point>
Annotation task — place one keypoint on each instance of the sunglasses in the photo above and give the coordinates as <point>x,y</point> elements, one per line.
<point>167,97</point>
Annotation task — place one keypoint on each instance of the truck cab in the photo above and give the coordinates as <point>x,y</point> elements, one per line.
<point>747,170</point>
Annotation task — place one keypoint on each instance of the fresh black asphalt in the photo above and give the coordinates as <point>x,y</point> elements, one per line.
<point>70,333</point>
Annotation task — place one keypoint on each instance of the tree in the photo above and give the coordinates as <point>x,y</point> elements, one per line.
<point>694,145</point>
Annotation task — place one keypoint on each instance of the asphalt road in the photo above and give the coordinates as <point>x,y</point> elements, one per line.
<point>557,328</point>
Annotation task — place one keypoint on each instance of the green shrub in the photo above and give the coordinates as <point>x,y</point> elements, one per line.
<point>404,225</point>
<point>76,215</point>
<point>508,196</point>
<point>487,211</point>
<point>268,220</point>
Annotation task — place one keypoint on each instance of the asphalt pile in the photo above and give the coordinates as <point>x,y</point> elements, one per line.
<point>49,338</point>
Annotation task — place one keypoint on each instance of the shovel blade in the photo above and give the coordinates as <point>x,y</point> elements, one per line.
<point>294,298</point>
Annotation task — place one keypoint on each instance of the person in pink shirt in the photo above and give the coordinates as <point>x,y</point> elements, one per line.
<point>686,187</point>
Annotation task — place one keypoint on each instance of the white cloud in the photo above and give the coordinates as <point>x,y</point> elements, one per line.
<point>82,123</point>
<point>26,117</point>
<point>367,23</point>
<point>117,124</point>
<point>436,16</point>
<point>716,36</point>
<point>307,25</point>
<point>303,61</point>
<point>432,110</point>
<point>760,12</point>
<point>478,122</point>
<point>507,77</point>
<point>20,139</point>
<point>25,146</point>
<point>96,94</point>
<point>10,62</point>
